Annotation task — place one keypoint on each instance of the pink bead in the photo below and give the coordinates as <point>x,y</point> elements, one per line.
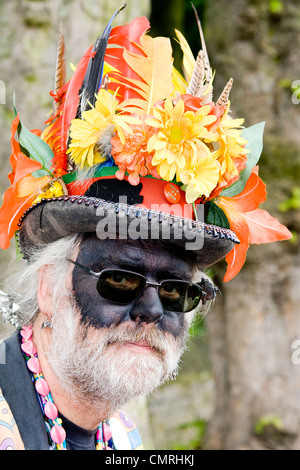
<point>33,364</point>
<point>58,434</point>
<point>27,327</point>
<point>26,333</point>
<point>51,411</point>
<point>108,448</point>
<point>41,387</point>
<point>29,348</point>
<point>98,435</point>
<point>106,432</point>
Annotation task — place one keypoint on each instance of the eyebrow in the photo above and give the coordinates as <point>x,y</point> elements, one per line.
<point>138,265</point>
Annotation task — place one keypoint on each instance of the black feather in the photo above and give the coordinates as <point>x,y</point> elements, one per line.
<point>93,77</point>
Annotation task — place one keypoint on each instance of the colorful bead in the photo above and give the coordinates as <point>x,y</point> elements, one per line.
<point>27,327</point>
<point>29,348</point>
<point>99,446</point>
<point>58,434</point>
<point>33,364</point>
<point>50,410</point>
<point>106,432</point>
<point>42,387</point>
<point>26,333</point>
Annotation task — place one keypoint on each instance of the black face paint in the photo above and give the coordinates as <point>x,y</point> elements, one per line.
<point>155,261</point>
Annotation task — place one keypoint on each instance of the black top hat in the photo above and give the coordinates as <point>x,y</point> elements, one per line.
<point>134,147</point>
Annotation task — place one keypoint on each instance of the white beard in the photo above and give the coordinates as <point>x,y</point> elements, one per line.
<point>95,365</point>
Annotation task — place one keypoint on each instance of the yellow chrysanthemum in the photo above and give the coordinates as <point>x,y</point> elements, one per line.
<point>181,137</point>
<point>92,134</point>
<point>231,153</point>
<point>201,179</point>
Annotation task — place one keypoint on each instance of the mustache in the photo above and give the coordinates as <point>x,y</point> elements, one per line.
<point>150,335</point>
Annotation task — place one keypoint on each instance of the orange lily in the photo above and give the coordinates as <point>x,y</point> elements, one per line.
<point>250,224</point>
<point>18,198</point>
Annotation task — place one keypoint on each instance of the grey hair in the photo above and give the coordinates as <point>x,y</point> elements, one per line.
<point>25,281</point>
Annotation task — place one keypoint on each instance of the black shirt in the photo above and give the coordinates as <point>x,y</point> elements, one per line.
<point>78,438</point>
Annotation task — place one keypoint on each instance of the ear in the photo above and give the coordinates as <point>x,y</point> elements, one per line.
<point>44,293</point>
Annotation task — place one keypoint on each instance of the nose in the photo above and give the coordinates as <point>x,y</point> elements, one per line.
<point>147,308</point>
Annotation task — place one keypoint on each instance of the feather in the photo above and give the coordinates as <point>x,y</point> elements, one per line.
<point>197,73</point>
<point>207,69</point>
<point>93,77</point>
<point>225,94</point>
<point>196,82</point>
<point>60,71</point>
<point>127,37</point>
<point>52,134</point>
<point>179,83</point>
<point>72,97</point>
<point>83,85</point>
<point>154,69</point>
<point>121,38</point>
<point>188,57</point>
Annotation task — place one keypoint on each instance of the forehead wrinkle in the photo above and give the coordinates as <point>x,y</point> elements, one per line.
<point>142,257</point>
<point>169,268</point>
<point>132,259</point>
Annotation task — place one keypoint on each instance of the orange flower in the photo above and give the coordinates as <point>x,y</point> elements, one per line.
<point>132,155</point>
<point>13,205</point>
<point>250,224</point>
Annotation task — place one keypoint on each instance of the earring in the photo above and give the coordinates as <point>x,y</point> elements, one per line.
<point>46,324</point>
<point>174,375</point>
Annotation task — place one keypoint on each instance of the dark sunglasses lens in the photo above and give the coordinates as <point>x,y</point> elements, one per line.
<point>120,286</point>
<point>179,296</point>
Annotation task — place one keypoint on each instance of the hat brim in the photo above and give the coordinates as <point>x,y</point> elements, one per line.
<point>52,219</point>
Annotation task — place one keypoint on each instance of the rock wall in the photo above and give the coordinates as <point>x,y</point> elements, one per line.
<point>252,329</point>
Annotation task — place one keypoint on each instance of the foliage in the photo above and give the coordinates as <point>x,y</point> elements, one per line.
<point>266,421</point>
<point>292,203</point>
<point>275,6</point>
<point>198,328</point>
<point>196,443</point>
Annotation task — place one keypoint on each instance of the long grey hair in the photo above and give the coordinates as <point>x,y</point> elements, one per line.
<point>24,280</point>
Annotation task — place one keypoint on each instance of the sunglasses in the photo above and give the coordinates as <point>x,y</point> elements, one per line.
<point>122,287</point>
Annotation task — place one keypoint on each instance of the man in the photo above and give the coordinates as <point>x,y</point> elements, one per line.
<point>95,353</point>
<point>119,207</point>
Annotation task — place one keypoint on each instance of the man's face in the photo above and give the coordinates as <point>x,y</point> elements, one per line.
<point>155,261</point>
<point>119,351</point>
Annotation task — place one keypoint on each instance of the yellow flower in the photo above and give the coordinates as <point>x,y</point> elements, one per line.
<point>231,153</point>
<point>201,179</point>
<point>92,134</point>
<point>181,138</point>
<point>182,147</point>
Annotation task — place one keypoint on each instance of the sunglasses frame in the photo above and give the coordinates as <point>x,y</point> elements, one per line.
<point>147,283</point>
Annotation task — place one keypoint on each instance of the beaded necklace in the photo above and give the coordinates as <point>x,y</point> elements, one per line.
<point>55,430</point>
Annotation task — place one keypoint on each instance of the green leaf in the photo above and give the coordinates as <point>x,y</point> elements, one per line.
<point>36,148</point>
<point>216,216</point>
<point>254,135</point>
